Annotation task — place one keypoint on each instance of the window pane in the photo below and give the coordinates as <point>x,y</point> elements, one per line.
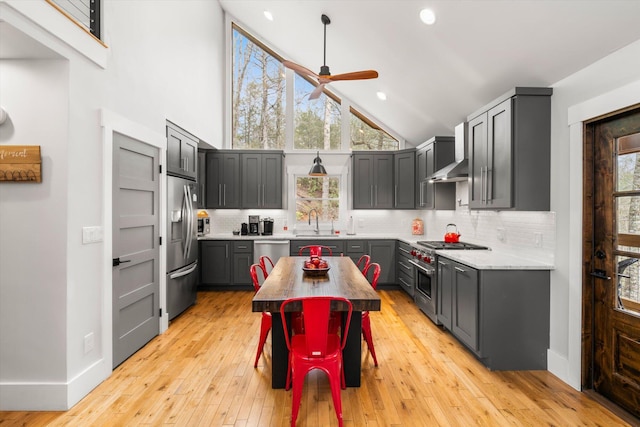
<point>319,193</point>
<point>317,121</point>
<point>628,148</point>
<point>628,283</point>
<point>366,137</point>
<point>628,214</point>
<point>258,96</point>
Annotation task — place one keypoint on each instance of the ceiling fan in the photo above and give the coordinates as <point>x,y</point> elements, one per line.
<point>325,76</point>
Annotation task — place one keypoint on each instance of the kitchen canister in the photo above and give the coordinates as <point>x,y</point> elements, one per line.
<point>417,227</point>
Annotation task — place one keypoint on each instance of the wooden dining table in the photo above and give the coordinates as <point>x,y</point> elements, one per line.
<point>289,280</point>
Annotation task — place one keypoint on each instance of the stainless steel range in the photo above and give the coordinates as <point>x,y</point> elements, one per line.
<point>425,260</point>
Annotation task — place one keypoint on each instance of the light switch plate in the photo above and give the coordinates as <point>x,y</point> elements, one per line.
<point>92,234</point>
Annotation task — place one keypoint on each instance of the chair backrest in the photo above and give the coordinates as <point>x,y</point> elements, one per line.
<point>363,262</point>
<point>253,270</point>
<point>264,260</point>
<point>372,269</point>
<point>316,314</point>
<point>315,250</point>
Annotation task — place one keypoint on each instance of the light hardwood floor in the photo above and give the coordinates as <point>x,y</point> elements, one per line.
<point>200,373</point>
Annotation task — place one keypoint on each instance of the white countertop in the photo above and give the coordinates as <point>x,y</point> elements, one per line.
<point>494,260</point>
<point>479,259</point>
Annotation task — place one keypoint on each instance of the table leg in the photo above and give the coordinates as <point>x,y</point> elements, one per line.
<point>352,353</point>
<point>279,352</point>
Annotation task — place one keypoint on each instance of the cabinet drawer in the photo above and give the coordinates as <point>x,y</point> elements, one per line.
<point>243,246</point>
<point>355,247</point>
<point>405,267</point>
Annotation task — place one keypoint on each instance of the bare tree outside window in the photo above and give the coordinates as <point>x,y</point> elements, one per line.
<point>365,135</point>
<point>258,96</point>
<point>319,193</point>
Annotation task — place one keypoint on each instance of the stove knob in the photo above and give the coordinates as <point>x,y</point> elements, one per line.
<point>413,252</point>
<point>427,259</point>
<point>419,255</point>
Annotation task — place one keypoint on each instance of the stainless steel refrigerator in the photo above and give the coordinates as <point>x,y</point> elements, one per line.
<point>182,245</point>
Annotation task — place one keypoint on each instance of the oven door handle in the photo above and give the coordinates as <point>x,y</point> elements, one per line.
<point>427,271</point>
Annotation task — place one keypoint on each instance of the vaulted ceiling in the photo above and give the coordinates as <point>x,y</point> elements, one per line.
<point>434,76</point>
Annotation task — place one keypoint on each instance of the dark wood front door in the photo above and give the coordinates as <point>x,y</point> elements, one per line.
<point>612,258</point>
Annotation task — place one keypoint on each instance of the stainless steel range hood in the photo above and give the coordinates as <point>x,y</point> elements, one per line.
<point>459,169</point>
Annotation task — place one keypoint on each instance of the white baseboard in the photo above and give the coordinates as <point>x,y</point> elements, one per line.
<point>559,366</point>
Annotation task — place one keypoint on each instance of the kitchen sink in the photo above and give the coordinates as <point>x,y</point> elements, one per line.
<point>319,236</point>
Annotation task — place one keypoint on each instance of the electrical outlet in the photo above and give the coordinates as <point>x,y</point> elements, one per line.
<point>360,223</point>
<point>88,343</point>
<point>500,233</point>
<point>537,239</point>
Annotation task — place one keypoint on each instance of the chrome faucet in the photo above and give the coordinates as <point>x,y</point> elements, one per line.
<point>317,229</point>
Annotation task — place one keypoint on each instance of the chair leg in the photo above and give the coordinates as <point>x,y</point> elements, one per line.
<point>336,385</point>
<point>265,327</point>
<point>298,383</point>
<point>366,332</point>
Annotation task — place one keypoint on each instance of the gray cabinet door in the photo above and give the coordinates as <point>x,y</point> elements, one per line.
<point>182,153</point>
<point>215,262</point>
<point>336,245</point>
<point>404,179</point>
<point>435,154</point>
<point>384,253</point>
<point>499,156</point>
<point>445,292</point>
<point>355,249</point>
<point>202,179</point>
<point>373,186</point>
<point>477,161</point>
<point>223,180</point>
<point>465,305</point>
<point>241,264</point>
<point>262,180</point>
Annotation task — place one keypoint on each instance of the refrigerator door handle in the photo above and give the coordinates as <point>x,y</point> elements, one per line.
<point>189,205</point>
<point>184,272</point>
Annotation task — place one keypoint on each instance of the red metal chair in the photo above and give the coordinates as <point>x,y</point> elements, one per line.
<point>316,348</point>
<point>315,250</point>
<point>264,260</point>
<point>366,322</point>
<point>364,260</point>
<point>265,325</point>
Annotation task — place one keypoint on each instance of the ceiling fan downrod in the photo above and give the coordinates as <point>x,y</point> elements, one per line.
<point>324,70</point>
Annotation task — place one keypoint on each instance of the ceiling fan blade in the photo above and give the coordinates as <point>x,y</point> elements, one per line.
<point>299,69</point>
<point>356,75</point>
<point>317,91</point>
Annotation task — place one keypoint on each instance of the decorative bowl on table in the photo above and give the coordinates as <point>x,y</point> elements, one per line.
<point>315,266</point>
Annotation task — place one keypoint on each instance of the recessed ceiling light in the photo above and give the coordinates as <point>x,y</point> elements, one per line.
<point>268,15</point>
<point>382,96</point>
<point>427,16</point>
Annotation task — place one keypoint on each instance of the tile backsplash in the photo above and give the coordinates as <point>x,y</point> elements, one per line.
<point>527,234</point>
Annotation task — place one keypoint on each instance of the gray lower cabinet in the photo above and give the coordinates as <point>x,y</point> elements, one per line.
<point>509,152</point>
<point>404,269</point>
<point>336,245</point>
<point>384,253</point>
<point>502,316</point>
<point>225,264</point>
<point>355,249</point>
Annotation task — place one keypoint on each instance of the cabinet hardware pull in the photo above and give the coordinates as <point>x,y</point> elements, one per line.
<point>460,269</point>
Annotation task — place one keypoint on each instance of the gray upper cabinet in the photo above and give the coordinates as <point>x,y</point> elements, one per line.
<point>223,180</point>
<point>509,152</point>
<point>372,180</point>
<point>404,179</point>
<point>262,179</point>
<point>202,178</point>
<point>182,152</point>
<point>432,156</point>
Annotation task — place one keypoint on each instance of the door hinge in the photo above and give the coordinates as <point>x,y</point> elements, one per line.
<point>159,169</point>
<point>160,312</point>
<point>160,240</point>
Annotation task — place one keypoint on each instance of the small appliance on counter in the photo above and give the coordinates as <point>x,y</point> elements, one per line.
<point>267,227</point>
<point>244,229</point>
<point>254,225</point>
<point>204,223</point>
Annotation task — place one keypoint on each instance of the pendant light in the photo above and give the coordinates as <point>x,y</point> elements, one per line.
<point>317,169</point>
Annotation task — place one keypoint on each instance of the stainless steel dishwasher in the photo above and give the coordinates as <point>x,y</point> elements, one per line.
<point>273,248</point>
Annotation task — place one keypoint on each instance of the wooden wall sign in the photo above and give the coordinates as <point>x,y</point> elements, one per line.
<point>20,163</point>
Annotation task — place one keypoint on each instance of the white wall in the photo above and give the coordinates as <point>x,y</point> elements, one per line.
<point>600,81</point>
<point>51,285</point>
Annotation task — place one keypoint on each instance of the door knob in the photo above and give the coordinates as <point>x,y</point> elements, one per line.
<point>117,262</point>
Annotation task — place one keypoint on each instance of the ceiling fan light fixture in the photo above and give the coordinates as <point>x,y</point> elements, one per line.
<point>268,15</point>
<point>381,96</point>
<point>428,16</point>
<point>317,169</point>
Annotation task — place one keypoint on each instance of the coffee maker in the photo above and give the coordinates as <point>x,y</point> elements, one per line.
<point>254,225</point>
<point>267,227</point>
